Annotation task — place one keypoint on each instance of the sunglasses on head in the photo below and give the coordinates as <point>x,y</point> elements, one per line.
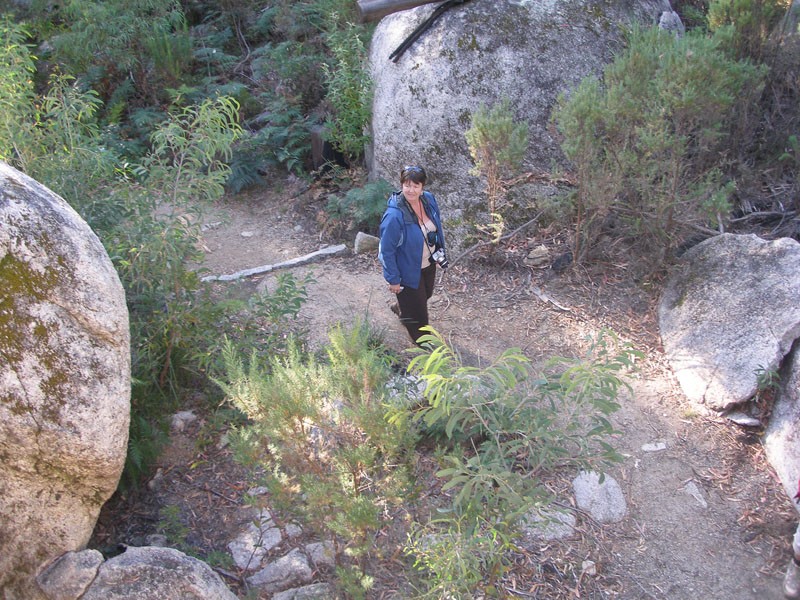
<point>409,169</point>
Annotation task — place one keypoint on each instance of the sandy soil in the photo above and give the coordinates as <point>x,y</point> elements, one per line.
<point>707,518</point>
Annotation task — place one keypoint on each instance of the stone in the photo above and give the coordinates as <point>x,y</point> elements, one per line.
<point>781,438</point>
<point>728,311</point>
<point>253,544</point>
<point>288,571</point>
<point>322,554</point>
<point>478,54</point>
<point>693,490</point>
<point>654,447</point>
<point>538,257</point>
<point>547,525</point>
<point>70,575</point>
<point>181,420</point>
<point>365,243</point>
<point>64,382</point>
<point>163,573</point>
<point>604,501</point>
<point>670,21</point>
<point>315,591</point>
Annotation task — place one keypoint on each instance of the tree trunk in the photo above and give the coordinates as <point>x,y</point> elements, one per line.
<point>373,10</point>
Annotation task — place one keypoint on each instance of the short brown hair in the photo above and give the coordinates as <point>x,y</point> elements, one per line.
<point>413,173</point>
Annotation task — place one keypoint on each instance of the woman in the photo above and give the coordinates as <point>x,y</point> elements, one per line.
<point>412,242</point>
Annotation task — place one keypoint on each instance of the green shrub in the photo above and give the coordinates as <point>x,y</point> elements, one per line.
<point>518,425</point>
<point>497,145</point>
<point>508,429</point>
<point>349,89</point>
<point>282,140</point>
<point>318,428</point>
<point>458,562</point>
<point>649,143</point>
<point>108,41</point>
<point>17,95</point>
<point>751,23</point>
<point>361,207</point>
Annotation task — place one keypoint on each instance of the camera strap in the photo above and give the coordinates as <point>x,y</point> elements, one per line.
<point>421,222</point>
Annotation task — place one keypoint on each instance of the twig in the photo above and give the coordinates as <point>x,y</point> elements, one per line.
<point>502,239</point>
<point>767,215</point>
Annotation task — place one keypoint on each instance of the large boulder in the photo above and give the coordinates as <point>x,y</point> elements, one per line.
<point>729,312</point>
<point>480,53</point>
<point>64,380</point>
<point>163,573</point>
<point>147,572</point>
<point>782,436</point>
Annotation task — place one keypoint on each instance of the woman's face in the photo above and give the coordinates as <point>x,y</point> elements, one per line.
<point>412,190</point>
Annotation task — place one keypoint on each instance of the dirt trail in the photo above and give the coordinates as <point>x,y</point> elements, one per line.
<point>707,519</point>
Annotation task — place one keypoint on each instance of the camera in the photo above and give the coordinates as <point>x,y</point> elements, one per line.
<point>440,258</point>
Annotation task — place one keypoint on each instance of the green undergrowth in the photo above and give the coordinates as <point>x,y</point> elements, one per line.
<point>341,436</point>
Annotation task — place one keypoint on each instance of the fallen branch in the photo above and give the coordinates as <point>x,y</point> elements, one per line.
<point>295,262</point>
<point>502,239</point>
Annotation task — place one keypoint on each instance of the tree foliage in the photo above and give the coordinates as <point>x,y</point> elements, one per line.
<point>650,141</point>
<point>497,144</point>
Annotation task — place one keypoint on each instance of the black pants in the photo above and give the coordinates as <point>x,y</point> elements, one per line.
<point>413,303</point>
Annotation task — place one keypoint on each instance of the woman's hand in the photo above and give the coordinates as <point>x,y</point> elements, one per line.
<point>395,288</point>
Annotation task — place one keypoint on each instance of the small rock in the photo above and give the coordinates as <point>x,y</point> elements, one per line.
<point>322,554</point>
<point>315,591</point>
<point>70,575</point>
<point>156,480</point>
<point>694,491</point>
<point>654,447</point>
<point>743,419</point>
<point>293,530</point>
<point>538,257</point>
<point>365,243</point>
<point>604,501</point>
<point>252,545</point>
<point>290,570</point>
<point>589,567</point>
<point>247,234</point>
<point>181,420</point>
<point>548,525</point>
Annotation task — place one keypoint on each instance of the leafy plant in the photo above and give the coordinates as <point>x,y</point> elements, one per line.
<point>349,89</point>
<point>767,379</point>
<point>188,158</point>
<point>17,95</point>
<point>145,441</point>
<point>361,207</point>
<point>282,139</point>
<point>649,142</point>
<point>517,426</point>
<point>751,23</point>
<point>497,145</point>
<point>171,525</point>
<point>457,560</point>
<point>108,41</point>
<point>318,428</point>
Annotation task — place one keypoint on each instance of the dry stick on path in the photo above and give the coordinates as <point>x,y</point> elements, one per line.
<point>295,262</point>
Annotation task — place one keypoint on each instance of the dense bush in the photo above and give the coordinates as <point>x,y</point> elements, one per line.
<point>650,142</point>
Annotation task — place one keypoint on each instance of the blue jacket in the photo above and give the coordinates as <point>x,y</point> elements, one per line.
<point>401,245</point>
